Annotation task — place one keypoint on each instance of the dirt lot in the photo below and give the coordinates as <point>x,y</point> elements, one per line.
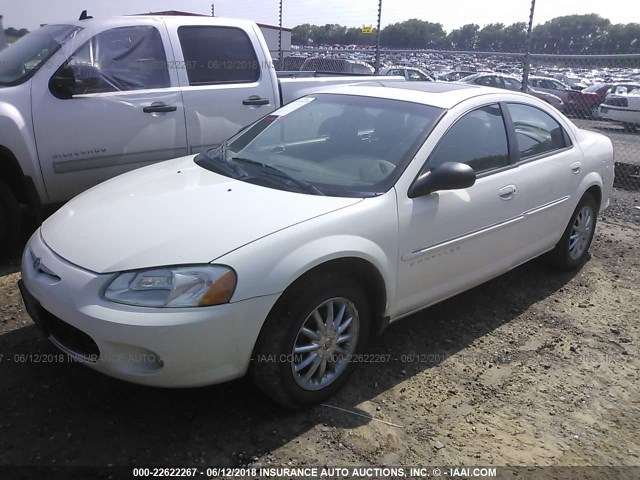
<point>533,368</point>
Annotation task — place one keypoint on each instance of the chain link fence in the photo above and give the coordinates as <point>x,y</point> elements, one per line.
<point>597,92</point>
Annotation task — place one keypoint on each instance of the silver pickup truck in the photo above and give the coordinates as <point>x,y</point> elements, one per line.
<point>87,100</point>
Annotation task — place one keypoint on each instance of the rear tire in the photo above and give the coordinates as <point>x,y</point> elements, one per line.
<point>9,220</point>
<point>297,361</point>
<point>573,248</point>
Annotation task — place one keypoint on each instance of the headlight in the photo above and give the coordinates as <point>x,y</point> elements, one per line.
<point>195,286</point>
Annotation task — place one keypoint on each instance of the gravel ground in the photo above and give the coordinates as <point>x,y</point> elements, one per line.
<point>532,368</point>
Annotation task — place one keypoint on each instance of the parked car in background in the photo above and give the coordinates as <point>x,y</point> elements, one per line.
<point>336,65</point>
<point>568,95</point>
<point>623,88</point>
<point>623,107</point>
<point>455,75</point>
<point>588,103</point>
<point>507,82</point>
<point>409,73</point>
<point>283,251</point>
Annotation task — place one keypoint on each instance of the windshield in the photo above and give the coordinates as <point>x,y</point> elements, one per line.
<point>339,145</point>
<point>18,62</point>
<point>594,88</point>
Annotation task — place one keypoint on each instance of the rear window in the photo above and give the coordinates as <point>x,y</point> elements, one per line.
<point>216,55</point>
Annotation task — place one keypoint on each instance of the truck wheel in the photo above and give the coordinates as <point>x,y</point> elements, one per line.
<point>9,220</point>
<point>573,247</point>
<point>307,345</point>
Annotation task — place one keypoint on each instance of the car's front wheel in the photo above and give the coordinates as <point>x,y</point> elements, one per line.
<point>307,346</point>
<point>573,247</point>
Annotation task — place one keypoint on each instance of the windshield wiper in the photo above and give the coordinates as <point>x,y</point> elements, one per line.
<point>279,173</point>
<point>215,158</point>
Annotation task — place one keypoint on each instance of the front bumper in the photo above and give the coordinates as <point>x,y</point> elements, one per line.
<point>169,347</point>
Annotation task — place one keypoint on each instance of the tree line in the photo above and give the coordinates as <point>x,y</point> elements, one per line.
<point>14,33</point>
<point>572,34</point>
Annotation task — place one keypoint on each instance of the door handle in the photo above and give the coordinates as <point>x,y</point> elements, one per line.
<point>255,100</point>
<point>575,167</point>
<point>159,108</point>
<point>508,192</point>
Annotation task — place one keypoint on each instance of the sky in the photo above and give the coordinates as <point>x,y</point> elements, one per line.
<point>451,14</point>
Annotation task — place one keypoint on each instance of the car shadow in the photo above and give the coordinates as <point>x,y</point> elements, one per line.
<point>616,128</point>
<point>57,412</point>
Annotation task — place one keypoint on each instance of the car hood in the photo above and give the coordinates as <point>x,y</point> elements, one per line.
<point>174,212</point>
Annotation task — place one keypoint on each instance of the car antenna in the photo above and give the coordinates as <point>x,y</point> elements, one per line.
<point>84,16</point>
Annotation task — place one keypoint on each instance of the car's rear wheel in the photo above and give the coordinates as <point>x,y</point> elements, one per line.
<point>305,351</point>
<point>9,220</point>
<point>595,112</point>
<point>573,247</point>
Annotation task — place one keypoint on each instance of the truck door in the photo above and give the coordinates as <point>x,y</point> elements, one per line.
<point>113,105</point>
<point>228,82</point>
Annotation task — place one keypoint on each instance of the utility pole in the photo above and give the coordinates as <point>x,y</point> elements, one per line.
<point>280,60</point>
<point>527,52</point>
<point>378,37</point>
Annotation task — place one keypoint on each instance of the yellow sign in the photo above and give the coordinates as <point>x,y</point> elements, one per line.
<point>367,29</point>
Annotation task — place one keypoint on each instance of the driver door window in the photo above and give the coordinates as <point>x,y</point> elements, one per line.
<point>120,59</point>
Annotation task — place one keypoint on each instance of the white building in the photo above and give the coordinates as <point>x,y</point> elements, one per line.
<point>271,34</point>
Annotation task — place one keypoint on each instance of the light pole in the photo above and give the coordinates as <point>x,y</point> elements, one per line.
<point>378,37</point>
<point>527,52</point>
<point>280,61</point>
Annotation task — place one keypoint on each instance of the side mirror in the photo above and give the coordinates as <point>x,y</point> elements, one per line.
<point>62,84</point>
<point>70,80</point>
<point>448,176</point>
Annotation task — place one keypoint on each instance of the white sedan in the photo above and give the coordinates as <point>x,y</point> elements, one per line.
<point>622,107</point>
<point>283,251</point>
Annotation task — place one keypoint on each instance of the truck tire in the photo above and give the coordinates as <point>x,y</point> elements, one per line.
<point>9,220</point>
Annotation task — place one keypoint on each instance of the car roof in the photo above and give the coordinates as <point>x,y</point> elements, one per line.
<point>491,74</point>
<point>168,19</point>
<point>438,94</point>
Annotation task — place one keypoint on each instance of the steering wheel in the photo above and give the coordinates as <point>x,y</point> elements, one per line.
<point>376,171</point>
<point>363,167</point>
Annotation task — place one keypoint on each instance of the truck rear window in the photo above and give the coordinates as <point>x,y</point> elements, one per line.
<point>215,55</point>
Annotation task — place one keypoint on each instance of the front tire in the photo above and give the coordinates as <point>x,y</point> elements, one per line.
<point>9,220</point>
<point>306,348</point>
<point>573,247</point>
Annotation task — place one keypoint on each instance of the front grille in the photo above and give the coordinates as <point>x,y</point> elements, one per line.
<point>69,337</point>
<point>617,102</point>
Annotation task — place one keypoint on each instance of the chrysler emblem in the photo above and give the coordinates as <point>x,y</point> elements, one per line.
<point>36,263</point>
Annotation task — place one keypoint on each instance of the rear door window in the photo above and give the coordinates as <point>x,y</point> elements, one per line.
<point>216,55</point>
<point>537,132</point>
<point>511,83</point>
